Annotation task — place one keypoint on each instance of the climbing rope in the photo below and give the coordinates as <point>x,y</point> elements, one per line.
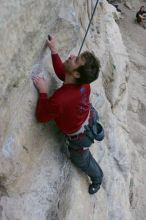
<point>88,27</point>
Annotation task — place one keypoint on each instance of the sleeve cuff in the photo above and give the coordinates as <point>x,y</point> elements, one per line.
<point>54,54</point>
<point>43,95</point>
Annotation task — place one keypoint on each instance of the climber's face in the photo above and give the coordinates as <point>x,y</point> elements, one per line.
<point>73,62</point>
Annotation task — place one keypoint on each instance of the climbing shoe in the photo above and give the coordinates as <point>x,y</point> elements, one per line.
<point>93,188</point>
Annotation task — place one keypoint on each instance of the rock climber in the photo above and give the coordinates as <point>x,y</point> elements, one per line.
<point>70,107</point>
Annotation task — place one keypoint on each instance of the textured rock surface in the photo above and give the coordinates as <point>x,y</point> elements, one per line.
<point>37,181</point>
<point>133,38</point>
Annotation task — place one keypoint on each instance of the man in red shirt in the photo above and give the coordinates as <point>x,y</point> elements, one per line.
<point>69,106</point>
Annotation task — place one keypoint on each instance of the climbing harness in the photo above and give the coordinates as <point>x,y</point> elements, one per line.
<point>88,27</point>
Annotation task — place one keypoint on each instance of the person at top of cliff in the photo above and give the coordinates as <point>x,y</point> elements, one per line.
<point>70,107</point>
<point>141,16</point>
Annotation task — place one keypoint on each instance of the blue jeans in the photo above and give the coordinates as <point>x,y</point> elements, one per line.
<point>83,159</point>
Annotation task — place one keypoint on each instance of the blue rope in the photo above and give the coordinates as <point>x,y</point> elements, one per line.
<point>88,27</point>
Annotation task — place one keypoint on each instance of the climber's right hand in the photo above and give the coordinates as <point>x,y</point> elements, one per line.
<point>52,44</point>
<point>41,84</point>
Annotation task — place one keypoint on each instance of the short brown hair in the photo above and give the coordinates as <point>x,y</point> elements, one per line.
<point>90,70</point>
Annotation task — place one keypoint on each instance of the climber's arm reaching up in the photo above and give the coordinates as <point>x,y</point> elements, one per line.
<point>56,60</point>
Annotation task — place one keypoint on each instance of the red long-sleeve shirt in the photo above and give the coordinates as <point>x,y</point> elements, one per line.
<point>68,106</point>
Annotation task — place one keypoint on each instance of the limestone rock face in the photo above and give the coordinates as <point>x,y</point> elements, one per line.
<point>37,181</point>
